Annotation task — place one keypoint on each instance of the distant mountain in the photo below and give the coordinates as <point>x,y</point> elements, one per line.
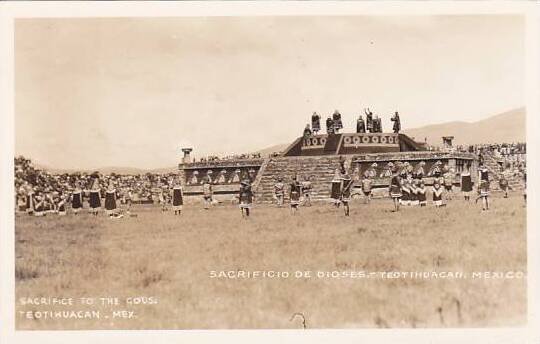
<point>269,150</point>
<point>509,126</point>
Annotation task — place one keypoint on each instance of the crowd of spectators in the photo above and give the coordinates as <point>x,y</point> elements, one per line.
<point>142,188</point>
<point>215,158</point>
<point>498,149</point>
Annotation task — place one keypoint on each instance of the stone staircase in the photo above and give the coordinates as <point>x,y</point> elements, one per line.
<point>492,163</point>
<point>321,169</point>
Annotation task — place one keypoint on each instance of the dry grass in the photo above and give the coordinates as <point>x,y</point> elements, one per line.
<point>170,257</point>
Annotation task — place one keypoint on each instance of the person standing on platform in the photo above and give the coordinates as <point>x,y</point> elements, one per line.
<point>338,124</point>
<point>466,183</point>
<point>369,120</point>
<point>307,132</point>
<point>315,123</point>
<point>374,124</point>
<point>294,194</point>
<point>330,126</point>
<point>377,125</point>
<point>397,123</point>
<point>360,125</point>
<point>245,197</point>
<point>177,197</point>
<point>346,193</point>
<point>207,193</point>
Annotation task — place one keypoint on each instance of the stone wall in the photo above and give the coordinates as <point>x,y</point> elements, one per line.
<point>322,169</point>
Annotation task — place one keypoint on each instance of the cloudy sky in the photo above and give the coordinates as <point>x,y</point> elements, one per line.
<point>131,92</point>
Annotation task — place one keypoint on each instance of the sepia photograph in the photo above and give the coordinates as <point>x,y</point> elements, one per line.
<point>262,172</point>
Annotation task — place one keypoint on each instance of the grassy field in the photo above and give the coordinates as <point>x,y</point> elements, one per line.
<point>170,258</point>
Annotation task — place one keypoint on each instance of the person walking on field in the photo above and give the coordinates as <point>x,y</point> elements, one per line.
<point>294,194</point>
<point>163,199</point>
<point>437,195</point>
<point>177,198</point>
<point>95,197</point>
<point>335,188</point>
<point>77,198</point>
<point>346,193</point>
<point>279,192</point>
<point>246,197</point>
<point>483,187</point>
<point>405,190</point>
<point>448,179</point>
<point>367,185</point>
<point>421,193</point>
<point>414,185</point>
<point>306,191</point>
<point>466,183</point>
<point>395,189</point>
<point>503,184</point>
<point>30,200</point>
<point>207,193</point>
<point>110,201</point>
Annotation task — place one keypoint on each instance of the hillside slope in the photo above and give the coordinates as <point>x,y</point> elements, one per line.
<point>509,126</point>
